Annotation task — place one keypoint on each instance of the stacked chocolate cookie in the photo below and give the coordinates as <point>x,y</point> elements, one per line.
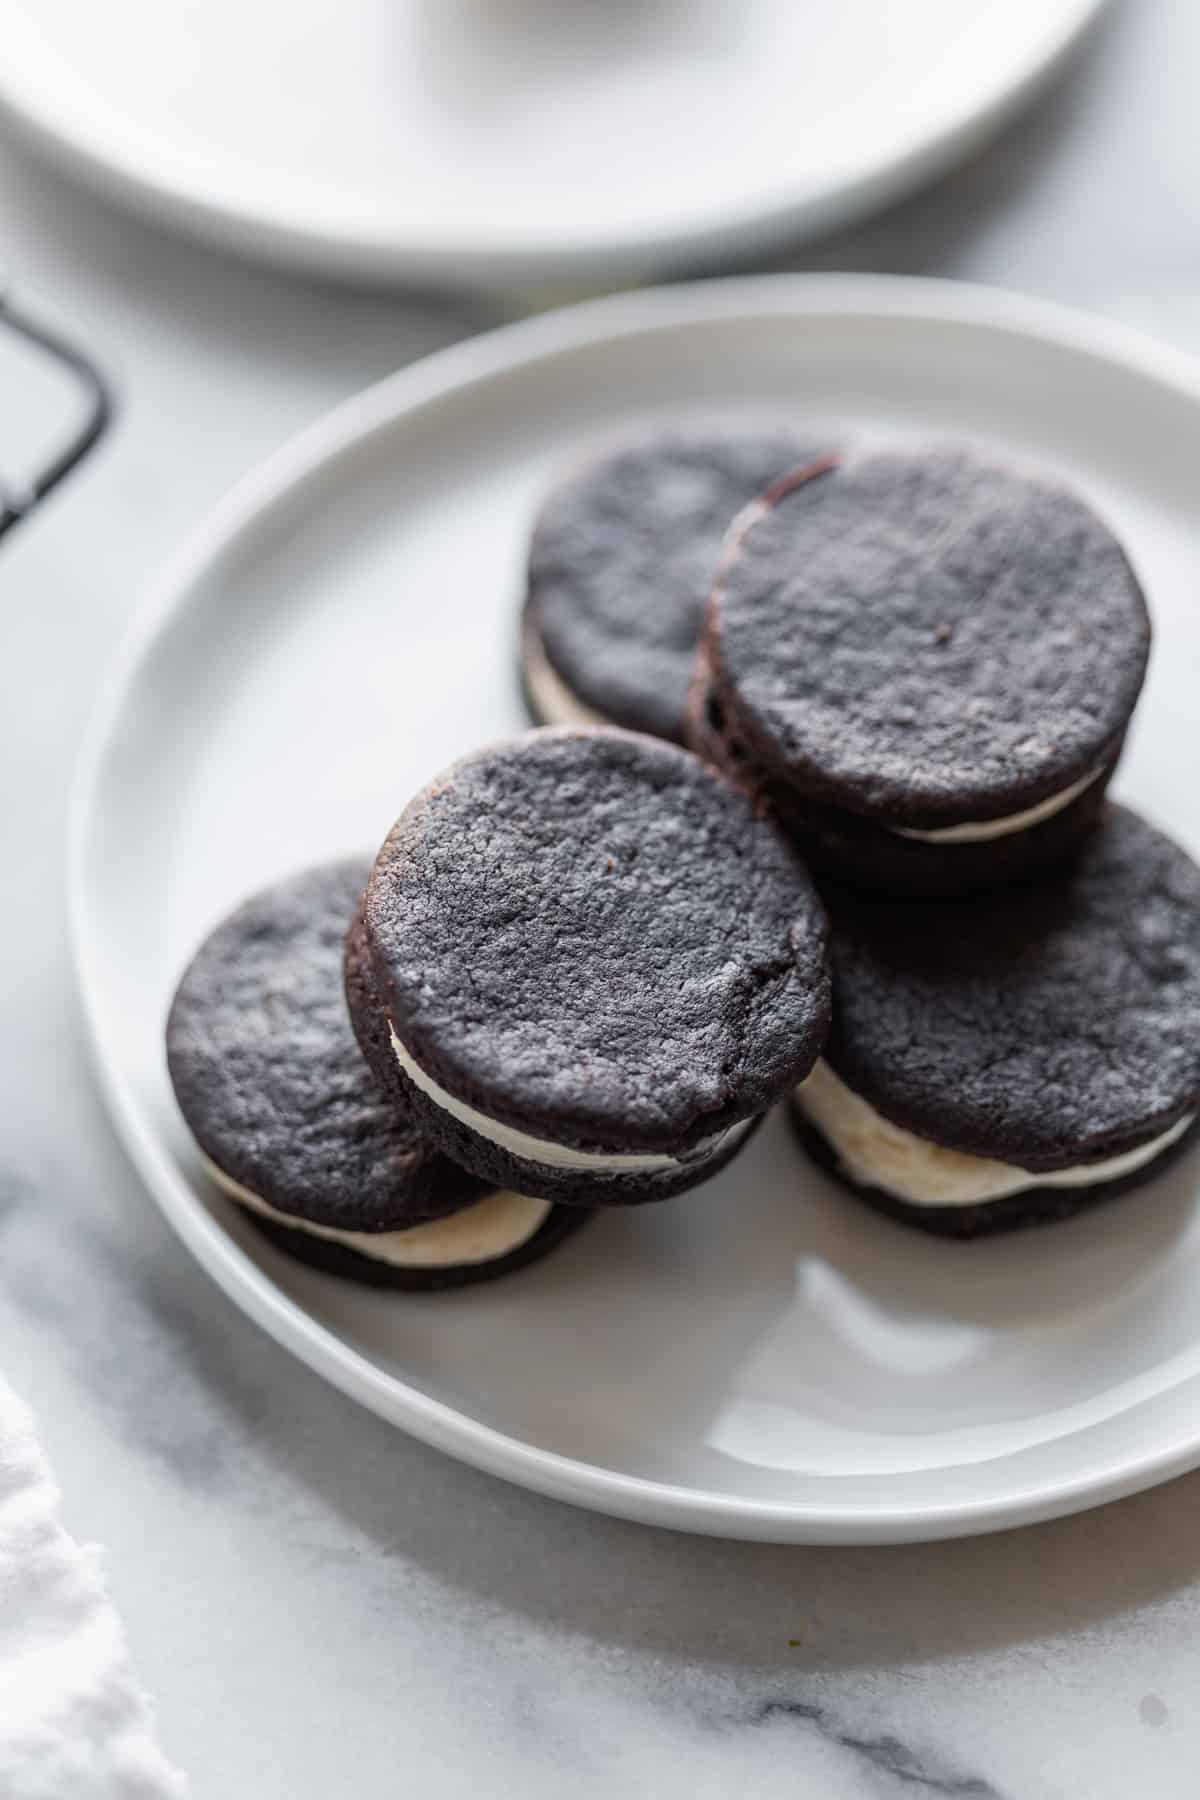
<point>926,663</point>
<point>586,966</point>
<point>621,567</point>
<point>1016,1057</point>
<point>292,1126</point>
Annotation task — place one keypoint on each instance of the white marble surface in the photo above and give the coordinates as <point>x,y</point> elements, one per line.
<point>323,1607</point>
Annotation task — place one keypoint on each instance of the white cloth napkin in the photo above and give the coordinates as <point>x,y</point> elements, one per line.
<point>74,1722</point>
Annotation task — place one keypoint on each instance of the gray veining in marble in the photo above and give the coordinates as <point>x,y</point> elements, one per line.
<point>323,1607</point>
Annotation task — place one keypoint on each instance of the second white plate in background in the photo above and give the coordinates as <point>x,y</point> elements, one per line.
<point>517,141</point>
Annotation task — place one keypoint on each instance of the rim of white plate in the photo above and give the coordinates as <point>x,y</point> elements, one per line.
<point>100,147</point>
<point>376,409</point>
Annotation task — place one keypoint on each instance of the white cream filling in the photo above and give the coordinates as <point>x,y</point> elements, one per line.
<point>980,831</point>
<point>554,702</point>
<point>543,1150</point>
<point>879,1154</point>
<point>482,1232</point>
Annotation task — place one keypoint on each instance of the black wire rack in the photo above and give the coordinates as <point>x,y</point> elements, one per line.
<point>96,415</point>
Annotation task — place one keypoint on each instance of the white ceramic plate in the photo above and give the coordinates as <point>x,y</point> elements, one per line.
<point>517,140</point>
<point>762,1358</point>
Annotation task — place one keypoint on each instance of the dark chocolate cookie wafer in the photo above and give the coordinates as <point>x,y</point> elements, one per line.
<point>588,966</point>
<point>925,645</point>
<point>621,565</point>
<point>293,1125</point>
<point>1015,1058</point>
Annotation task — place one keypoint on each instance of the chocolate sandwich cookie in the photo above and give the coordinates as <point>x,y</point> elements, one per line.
<point>926,664</point>
<point>292,1125</point>
<point>588,966</point>
<point>1016,1058</point>
<point>621,565</point>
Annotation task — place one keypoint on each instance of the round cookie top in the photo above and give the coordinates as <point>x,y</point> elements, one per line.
<point>623,558</point>
<point>271,1081</point>
<point>1043,1026</point>
<point>926,638</point>
<point>591,936</point>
